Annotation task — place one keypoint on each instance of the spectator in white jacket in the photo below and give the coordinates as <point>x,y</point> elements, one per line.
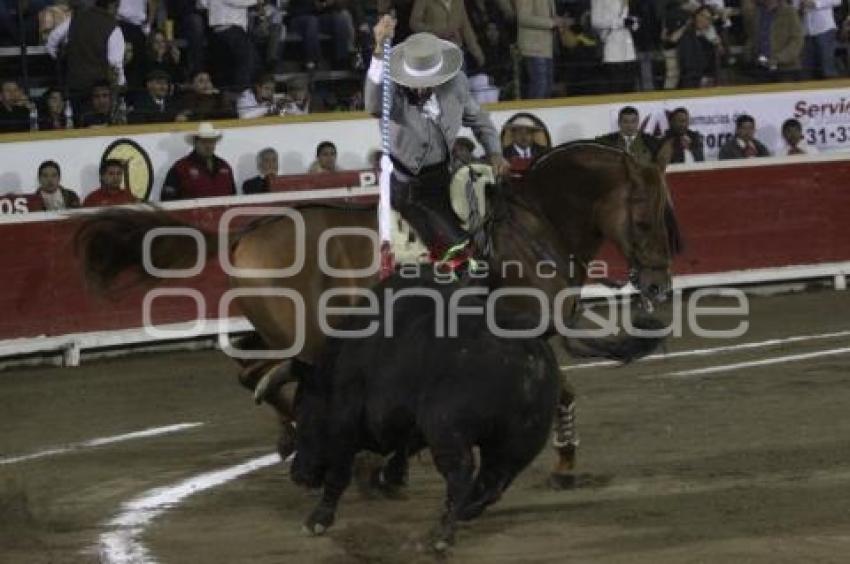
<point>233,52</point>
<point>610,19</point>
<point>818,21</point>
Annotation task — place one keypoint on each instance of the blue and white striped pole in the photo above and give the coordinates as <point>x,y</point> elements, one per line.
<point>384,209</point>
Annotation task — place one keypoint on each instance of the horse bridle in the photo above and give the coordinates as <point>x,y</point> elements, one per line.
<point>635,265</point>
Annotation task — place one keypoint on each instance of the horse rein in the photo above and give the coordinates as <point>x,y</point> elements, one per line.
<point>635,266</point>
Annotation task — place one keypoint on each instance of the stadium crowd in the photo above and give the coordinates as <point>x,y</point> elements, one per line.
<point>152,61</point>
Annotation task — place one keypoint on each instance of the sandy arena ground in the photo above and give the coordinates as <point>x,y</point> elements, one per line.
<point>745,465</point>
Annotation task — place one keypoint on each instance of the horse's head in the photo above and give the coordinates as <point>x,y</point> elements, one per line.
<point>645,229</point>
<point>590,193</point>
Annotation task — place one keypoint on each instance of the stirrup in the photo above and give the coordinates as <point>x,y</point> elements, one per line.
<point>458,261</point>
<point>475,265</point>
<point>458,250</point>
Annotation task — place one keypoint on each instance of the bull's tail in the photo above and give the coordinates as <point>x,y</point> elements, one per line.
<point>109,244</point>
<point>621,348</point>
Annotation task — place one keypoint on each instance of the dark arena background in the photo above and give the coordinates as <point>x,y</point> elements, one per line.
<point>125,435</point>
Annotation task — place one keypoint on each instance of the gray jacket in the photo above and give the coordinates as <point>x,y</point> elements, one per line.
<point>411,138</point>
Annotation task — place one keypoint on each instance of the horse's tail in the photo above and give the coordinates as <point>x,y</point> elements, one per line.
<point>622,347</point>
<point>109,244</point>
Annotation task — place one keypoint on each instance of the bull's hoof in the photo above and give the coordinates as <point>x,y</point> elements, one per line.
<point>562,481</point>
<point>319,521</point>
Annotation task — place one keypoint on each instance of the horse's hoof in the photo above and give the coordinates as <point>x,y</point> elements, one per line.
<point>562,481</point>
<point>441,545</point>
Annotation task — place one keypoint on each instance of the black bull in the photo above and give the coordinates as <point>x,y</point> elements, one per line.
<point>401,393</point>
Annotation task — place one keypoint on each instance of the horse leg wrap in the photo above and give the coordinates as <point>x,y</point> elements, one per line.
<point>565,434</point>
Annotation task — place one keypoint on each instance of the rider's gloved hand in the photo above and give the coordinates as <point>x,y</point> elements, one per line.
<point>384,29</point>
<point>501,167</point>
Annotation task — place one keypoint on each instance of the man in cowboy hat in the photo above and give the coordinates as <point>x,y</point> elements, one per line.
<point>200,174</point>
<point>430,102</point>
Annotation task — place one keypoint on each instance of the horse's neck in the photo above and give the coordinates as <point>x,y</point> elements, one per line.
<point>524,236</point>
<point>572,219</point>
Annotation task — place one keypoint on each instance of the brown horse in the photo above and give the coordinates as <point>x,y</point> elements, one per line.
<point>573,198</point>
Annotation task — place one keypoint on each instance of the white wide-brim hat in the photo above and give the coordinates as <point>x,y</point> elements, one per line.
<point>424,60</point>
<point>205,131</point>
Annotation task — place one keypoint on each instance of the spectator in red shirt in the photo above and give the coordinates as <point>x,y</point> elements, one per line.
<point>111,191</point>
<point>200,174</point>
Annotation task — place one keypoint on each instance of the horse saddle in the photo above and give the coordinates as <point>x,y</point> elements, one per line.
<point>468,195</point>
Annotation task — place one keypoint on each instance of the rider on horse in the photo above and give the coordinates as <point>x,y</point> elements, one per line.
<point>430,104</point>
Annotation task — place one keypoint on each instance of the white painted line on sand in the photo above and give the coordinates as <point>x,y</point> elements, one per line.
<point>714,350</point>
<point>144,434</point>
<point>121,545</point>
<point>752,364</point>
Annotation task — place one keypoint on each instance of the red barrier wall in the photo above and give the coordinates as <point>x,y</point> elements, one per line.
<point>732,219</point>
<point>44,292</point>
<point>759,217</point>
